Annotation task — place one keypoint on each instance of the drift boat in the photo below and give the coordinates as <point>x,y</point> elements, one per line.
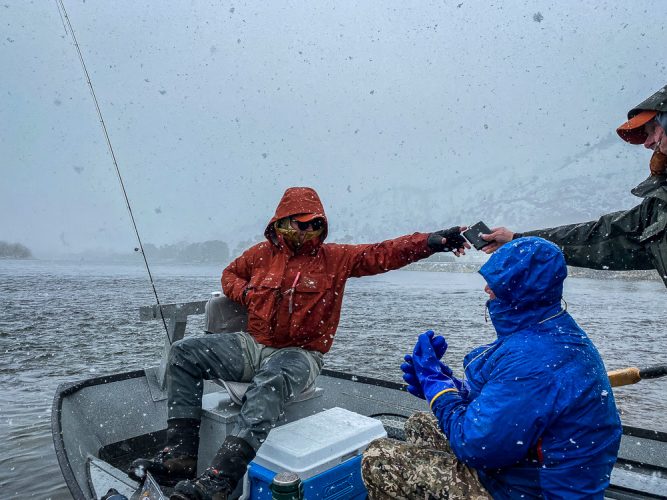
<point>101,424</point>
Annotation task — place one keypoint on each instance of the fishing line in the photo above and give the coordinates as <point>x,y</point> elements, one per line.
<point>61,17</point>
<point>113,157</point>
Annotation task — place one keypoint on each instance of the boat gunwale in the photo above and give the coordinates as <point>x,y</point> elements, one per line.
<point>64,390</point>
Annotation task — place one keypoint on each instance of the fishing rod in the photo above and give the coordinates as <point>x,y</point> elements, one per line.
<point>63,14</point>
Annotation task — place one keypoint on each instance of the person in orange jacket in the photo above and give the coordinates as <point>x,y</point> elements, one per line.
<point>292,286</point>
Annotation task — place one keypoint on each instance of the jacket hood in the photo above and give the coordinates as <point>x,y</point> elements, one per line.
<point>297,200</point>
<point>526,276</point>
<point>656,102</point>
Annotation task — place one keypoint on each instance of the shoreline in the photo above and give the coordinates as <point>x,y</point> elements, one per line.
<point>572,272</point>
<point>429,266</point>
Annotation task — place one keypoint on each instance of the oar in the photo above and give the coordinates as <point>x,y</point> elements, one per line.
<point>632,375</point>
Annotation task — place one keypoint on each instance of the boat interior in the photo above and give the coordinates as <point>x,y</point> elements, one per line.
<point>101,424</point>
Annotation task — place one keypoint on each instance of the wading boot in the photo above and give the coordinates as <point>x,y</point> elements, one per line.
<point>177,461</point>
<point>219,480</point>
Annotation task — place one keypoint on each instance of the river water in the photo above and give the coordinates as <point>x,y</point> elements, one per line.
<point>64,321</point>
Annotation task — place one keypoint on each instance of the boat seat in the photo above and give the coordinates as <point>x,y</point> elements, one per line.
<point>237,390</point>
<point>222,315</point>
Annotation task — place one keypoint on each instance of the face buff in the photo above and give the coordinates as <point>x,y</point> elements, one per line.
<point>293,236</point>
<point>658,163</point>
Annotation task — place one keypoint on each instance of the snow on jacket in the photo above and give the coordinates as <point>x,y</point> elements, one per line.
<point>541,420</point>
<point>269,275</point>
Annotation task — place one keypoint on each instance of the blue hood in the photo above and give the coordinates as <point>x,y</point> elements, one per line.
<point>526,275</point>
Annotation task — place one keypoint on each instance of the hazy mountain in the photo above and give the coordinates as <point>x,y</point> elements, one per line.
<point>595,181</point>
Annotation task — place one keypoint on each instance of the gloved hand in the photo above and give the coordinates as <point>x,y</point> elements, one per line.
<point>454,241</point>
<point>428,369</point>
<point>410,376</point>
<point>245,299</point>
<point>415,388</point>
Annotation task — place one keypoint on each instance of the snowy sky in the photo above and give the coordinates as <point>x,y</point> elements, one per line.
<point>214,108</point>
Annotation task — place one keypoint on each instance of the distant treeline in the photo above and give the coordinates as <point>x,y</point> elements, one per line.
<point>212,251</point>
<point>442,257</point>
<point>207,251</point>
<point>218,251</point>
<point>14,251</point>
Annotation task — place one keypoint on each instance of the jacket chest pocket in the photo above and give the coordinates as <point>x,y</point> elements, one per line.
<point>314,283</point>
<point>655,230</point>
<point>263,293</point>
<point>311,291</point>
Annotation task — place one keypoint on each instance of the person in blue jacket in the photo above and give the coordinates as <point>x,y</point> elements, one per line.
<point>534,416</point>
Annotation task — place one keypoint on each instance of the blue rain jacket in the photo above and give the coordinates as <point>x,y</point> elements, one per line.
<point>541,420</point>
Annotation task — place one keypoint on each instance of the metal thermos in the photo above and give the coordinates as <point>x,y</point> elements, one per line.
<point>287,486</point>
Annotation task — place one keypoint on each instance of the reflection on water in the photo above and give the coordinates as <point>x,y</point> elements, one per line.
<point>64,321</point>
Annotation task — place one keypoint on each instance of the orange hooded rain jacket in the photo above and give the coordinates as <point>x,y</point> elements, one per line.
<point>294,298</point>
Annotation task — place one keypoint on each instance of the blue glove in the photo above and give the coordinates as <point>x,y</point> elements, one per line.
<point>415,388</point>
<point>429,369</point>
<point>410,376</point>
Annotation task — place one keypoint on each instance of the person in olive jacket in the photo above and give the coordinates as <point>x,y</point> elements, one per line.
<point>626,240</point>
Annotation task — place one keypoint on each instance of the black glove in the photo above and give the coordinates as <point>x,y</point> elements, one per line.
<point>244,296</point>
<point>454,240</point>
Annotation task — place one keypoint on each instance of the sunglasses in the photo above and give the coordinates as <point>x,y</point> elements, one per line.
<point>313,225</point>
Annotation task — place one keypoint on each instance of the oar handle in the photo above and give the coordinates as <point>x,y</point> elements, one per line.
<point>633,375</point>
<point>624,376</point>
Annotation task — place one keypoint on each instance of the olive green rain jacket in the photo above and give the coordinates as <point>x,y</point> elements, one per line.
<point>620,241</point>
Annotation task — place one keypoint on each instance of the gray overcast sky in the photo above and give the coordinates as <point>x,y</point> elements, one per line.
<point>215,107</point>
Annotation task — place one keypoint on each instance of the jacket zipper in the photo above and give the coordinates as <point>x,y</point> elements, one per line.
<point>290,306</point>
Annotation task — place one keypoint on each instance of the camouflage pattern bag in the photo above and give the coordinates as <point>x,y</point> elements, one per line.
<point>422,467</point>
